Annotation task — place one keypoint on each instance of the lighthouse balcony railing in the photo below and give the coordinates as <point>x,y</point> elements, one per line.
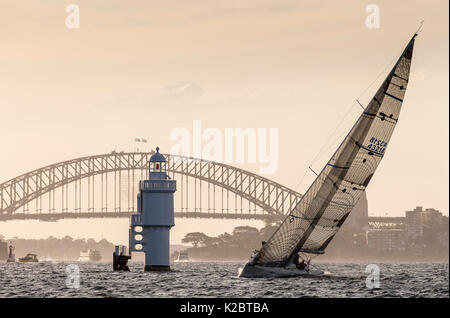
<point>158,185</point>
<point>136,219</point>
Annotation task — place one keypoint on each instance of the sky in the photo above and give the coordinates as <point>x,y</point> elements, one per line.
<point>146,68</point>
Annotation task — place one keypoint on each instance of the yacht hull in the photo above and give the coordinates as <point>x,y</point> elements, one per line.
<point>257,271</point>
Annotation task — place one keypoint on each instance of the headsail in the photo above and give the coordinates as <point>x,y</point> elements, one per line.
<point>312,224</point>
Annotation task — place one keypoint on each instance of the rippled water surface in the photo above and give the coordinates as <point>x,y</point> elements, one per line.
<point>218,280</point>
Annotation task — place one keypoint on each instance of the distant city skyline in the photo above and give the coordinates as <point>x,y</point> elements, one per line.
<point>96,230</point>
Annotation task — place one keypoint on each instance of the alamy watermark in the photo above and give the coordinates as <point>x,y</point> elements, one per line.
<point>234,145</point>
<point>373,279</point>
<point>73,18</point>
<point>373,19</point>
<point>73,276</point>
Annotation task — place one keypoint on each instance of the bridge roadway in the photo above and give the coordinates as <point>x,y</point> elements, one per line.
<point>49,217</point>
<point>74,188</point>
<point>266,199</point>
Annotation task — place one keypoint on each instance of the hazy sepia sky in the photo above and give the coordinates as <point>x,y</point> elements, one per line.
<point>295,65</point>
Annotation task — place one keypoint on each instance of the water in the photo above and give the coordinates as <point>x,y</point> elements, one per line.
<point>218,280</point>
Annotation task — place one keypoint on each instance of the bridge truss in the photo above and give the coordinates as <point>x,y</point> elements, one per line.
<point>106,186</point>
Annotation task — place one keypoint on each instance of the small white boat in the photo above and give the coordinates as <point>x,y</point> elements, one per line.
<point>47,259</point>
<point>90,256</point>
<point>183,257</point>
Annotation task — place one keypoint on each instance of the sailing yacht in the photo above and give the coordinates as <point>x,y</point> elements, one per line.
<point>312,224</point>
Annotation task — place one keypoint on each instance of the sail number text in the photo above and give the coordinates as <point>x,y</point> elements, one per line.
<point>377,145</point>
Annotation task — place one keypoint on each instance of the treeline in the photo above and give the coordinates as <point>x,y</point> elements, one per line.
<point>60,249</point>
<point>235,246</point>
<point>347,246</point>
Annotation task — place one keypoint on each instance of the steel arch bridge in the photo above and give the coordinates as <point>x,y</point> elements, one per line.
<point>73,189</point>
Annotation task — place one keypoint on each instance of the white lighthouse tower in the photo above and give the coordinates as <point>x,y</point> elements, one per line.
<point>150,227</point>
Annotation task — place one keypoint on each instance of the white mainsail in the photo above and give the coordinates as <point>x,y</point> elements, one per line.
<point>313,223</point>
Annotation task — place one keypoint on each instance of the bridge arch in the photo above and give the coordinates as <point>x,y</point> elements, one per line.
<point>273,198</point>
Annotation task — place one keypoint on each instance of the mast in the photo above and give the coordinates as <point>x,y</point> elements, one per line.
<point>355,147</point>
<point>313,223</point>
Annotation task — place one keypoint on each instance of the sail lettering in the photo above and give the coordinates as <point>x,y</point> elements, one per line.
<point>377,145</point>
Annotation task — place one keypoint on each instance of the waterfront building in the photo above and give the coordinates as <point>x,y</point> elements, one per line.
<point>420,222</point>
<point>386,240</point>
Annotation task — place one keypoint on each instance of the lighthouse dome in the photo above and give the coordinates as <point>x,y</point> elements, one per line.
<point>157,157</point>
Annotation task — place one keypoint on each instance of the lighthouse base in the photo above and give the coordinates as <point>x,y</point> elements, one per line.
<point>156,268</point>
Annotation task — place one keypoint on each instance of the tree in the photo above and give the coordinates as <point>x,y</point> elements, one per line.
<point>91,242</point>
<point>247,236</point>
<point>245,230</point>
<point>225,239</point>
<point>196,238</point>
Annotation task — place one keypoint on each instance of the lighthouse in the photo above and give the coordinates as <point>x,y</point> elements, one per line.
<point>150,226</point>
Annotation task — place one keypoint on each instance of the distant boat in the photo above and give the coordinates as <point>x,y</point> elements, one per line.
<point>90,256</point>
<point>47,259</point>
<point>314,221</point>
<point>29,258</point>
<point>182,257</point>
